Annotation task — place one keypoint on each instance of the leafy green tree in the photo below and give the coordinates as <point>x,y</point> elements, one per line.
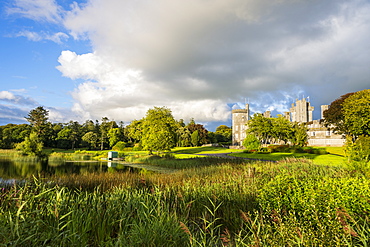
<point>115,135</point>
<point>38,118</point>
<point>359,150</point>
<point>281,129</point>
<point>223,133</point>
<point>334,117</point>
<point>158,130</point>
<point>261,127</point>
<point>195,138</point>
<point>91,138</point>
<point>104,128</point>
<point>251,142</point>
<point>119,146</point>
<point>356,111</point>
<point>299,135</point>
<point>31,145</point>
<point>63,138</point>
<point>183,136</point>
<point>202,132</point>
<point>133,131</point>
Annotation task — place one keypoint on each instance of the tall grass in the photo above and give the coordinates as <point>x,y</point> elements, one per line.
<point>289,203</point>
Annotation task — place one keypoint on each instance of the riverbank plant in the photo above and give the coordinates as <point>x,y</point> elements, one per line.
<point>221,203</point>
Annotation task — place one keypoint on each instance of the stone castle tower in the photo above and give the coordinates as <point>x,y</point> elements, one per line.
<point>301,112</point>
<point>240,118</point>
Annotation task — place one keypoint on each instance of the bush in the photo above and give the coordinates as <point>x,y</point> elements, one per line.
<point>251,142</point>
<point>278,148</point>
<point>360,150</point>
<point>120,146</point>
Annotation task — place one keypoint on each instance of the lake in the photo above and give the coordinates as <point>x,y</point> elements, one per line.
<point>13,168</point>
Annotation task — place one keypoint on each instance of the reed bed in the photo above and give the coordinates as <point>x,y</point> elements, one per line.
<point>289,203</point>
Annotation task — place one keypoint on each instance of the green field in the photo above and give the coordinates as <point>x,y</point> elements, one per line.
<point>203,201</point>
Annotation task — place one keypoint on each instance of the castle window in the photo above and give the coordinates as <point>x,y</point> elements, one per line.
<point>313,133</point>
<point>328,133</point>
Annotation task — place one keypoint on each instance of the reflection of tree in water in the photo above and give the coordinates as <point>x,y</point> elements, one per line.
<point>26,168</point>
<point>13,168</point>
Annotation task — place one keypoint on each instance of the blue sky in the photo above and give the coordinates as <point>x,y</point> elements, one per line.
<point>94,58</point>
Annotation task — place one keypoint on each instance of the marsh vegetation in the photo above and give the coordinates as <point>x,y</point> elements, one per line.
<point>204,201</point>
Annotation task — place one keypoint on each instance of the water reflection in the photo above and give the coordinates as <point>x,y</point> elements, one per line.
<point>17,169</point>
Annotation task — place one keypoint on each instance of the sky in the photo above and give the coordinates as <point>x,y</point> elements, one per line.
<point>200,58</point>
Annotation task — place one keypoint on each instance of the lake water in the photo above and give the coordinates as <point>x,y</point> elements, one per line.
<point>19,169</point>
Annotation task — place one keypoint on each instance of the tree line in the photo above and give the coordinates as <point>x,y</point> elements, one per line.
<point>157,131</point>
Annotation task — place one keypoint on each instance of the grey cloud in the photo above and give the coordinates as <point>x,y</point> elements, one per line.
<point>224,50</point>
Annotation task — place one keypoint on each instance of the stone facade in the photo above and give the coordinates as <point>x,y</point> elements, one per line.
<point>240,118</point>
<point>301,112</point>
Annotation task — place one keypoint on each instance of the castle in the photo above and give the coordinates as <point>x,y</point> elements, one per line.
<point>301,112</point>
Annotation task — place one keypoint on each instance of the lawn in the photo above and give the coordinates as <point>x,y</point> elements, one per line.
<point>335,156</point>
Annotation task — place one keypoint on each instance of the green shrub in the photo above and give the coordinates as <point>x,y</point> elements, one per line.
<point>120,146</point>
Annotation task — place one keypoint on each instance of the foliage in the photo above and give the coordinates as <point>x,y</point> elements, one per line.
<point>202,132</point>
<point>119,146</point>
<point>38,118</point>
<point>358,154</point>
<point>251,142</point>
<point>31,145</point>
<point>115,135</point>
<point>356,111</point>
<point>91,138</point>
<point>276,130</point>
<point>158,130</point>
<point>223,134</point>
<point>221,204</point>
<point>195,138</point>
<point>334,116</point>
<point>299,135</point>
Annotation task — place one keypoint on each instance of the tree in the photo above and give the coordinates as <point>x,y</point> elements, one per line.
<point>281,129</point>
<point>133,131</point>
<point>261,127</point>
<point>31,145</point>
<point>105,126</point>
<point>158,130</point>
<point>251,142</point>
<point>223,133</point>
<point>334,117</point>
<point>299,135</point>
<point>91,138</point>
<point>115,135</point>
<point>195,138</point>
<point>202,132</point>
<point>356,112</point>
<point>38,119</point>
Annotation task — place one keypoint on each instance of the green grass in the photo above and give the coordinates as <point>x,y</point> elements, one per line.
<point>202,150</point>
<point>326,159</point>
<point>215,203</point>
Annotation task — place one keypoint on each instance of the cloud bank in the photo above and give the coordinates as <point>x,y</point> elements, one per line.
<point>201,58</point>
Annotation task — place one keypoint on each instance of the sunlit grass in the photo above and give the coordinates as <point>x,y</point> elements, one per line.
<point>325,159</point>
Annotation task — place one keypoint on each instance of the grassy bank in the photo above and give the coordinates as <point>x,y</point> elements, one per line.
<point>214,203</point>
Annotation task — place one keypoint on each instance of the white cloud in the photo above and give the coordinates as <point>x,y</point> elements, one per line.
<point>58,37</point>
<point>197,56</point>
<point>16,99</point>
<point>39,10</point>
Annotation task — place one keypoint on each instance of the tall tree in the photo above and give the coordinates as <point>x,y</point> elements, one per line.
<point>158,130</point>
<point>38,119</point>
<point>261,127</point>
<point>202,132</point>
<point>334,117</point>
<point>356,112</point>
<point>223,133</point>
